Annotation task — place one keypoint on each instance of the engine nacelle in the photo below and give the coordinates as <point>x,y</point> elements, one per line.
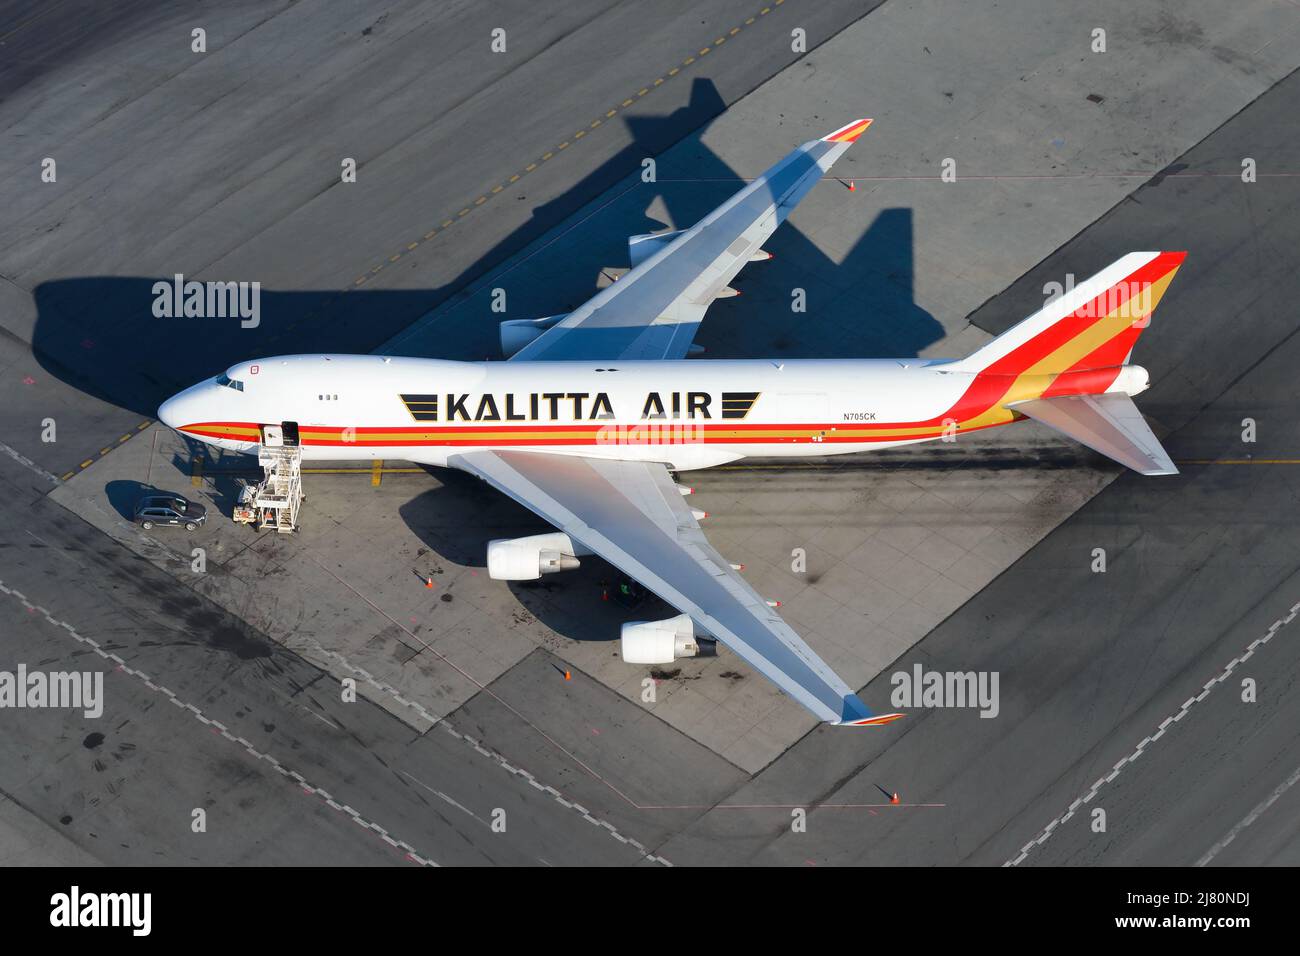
<point>662,642</point>
<point>517,333</point>
<point>527,559</point>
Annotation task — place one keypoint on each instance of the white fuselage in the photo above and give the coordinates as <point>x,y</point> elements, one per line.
<point>687,414</point>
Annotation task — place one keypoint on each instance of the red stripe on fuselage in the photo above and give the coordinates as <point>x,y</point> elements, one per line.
<point>828,434</point>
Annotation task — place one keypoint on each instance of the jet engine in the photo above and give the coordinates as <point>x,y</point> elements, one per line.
<point>527,559</point>
<point>662,642</point>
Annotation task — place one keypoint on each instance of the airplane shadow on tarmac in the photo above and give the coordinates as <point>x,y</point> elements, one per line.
<point>457,519</point>
<point>99,333</point>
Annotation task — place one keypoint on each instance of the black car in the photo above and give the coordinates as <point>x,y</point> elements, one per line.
<point>159,509</point>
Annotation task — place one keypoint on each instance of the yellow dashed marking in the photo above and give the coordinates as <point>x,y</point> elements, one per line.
<point>104,451</point>
<point>87,463</point>
<point>124,438</point>
<point>142,426</point>
<point>67,476</point>
<point>609,114</point>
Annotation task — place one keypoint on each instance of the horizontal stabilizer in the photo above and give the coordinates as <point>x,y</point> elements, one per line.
<point>1110,424</point>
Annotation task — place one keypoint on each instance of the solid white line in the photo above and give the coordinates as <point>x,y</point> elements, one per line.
<point>1250,818</point>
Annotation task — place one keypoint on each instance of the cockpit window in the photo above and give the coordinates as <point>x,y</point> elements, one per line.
<point>228,382</point>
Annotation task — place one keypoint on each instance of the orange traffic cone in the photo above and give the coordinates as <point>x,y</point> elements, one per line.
<point>894,800</point>
<point>567,675</point>
<point>428,582</point>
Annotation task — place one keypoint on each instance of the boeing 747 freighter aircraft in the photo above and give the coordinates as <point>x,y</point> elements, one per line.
<point>594,409</point>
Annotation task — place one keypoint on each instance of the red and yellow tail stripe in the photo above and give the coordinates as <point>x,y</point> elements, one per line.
<point>1080,353</point>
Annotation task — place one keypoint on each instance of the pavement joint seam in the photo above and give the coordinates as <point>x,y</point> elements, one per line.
<point>392,692</point>
<point>1164,726</point>
<point>87,462</point>
<point>483,688</point>
<point>370,679</point>
<point>221,729</point>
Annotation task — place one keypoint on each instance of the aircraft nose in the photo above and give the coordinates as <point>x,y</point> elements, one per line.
<point>167,412</point>
<point>179,410</point>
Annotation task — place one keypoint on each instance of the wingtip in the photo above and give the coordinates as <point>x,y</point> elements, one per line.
<point>848,133</point>
<point>877,721</point>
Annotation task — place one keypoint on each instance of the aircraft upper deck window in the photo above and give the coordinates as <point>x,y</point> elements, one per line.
<point>228,382</point>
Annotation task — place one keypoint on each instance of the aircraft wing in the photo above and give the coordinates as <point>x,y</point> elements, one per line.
<point>633,515</point>
<point>654,310</point>
<point>1110,424</point>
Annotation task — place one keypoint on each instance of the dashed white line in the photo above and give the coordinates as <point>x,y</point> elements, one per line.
<point>491,755</point>
<point>387,689</point>
<point>555,794</point>
<point>219,728</point>
<point>384,688</point>
<point>28,463</point>
<point>1250,818</point>
<point>1160,732</point>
